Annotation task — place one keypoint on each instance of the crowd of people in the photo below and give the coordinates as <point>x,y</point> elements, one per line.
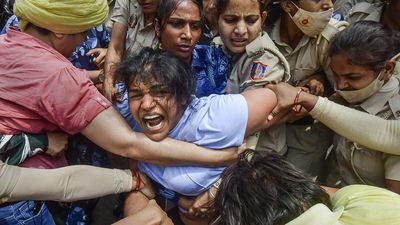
<point>229,111</point>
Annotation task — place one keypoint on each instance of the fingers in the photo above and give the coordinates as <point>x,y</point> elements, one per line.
<point>274,112</point>
<point>93,51</point>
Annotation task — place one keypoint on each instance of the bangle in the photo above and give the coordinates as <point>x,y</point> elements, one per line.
<point>296,101</point>
<point>138,180</point>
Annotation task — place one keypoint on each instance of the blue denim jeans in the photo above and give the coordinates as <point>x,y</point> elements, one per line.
<point>25,212</point>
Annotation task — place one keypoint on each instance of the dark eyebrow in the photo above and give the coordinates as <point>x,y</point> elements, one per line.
<point>347,74</point>
<point>157,86</point>
<point>133,89</point>
<point>182,20</point>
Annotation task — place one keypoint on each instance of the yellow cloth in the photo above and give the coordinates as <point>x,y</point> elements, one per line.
<point>61,16</point>
<point>367,205</point>
<point>355,205</point>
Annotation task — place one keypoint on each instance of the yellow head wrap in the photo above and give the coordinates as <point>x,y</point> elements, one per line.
<point>355,205</point>
<point>61,16</point>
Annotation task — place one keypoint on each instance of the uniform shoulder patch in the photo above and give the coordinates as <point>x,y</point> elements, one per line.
<point>258,71</point>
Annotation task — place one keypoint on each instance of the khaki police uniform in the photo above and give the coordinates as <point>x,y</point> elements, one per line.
<point>365,11</point>
<point>307,140</point>
<point>139,35</point>
<point>358,164</point>
<point>343,7</point>
<point>262,63</point>
<point>108,24</point>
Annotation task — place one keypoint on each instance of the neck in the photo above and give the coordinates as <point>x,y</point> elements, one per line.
<point>390,17</point>
<point>189,61</point>
<point>31,30</point>
<point>289,32</point>
<point>148,18</point>
<point>213,24</point>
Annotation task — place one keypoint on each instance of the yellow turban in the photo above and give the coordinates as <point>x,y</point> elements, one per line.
<point>61,16</point>
<point>355,205</point>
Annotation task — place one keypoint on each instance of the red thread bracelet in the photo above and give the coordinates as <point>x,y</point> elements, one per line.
<point>138,180</point>
<point>297,109</point>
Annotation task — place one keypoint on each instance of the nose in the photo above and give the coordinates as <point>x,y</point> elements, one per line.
<point>187,32</point>
<point>148,102</point>
<point>328,4</point>
<point>240,28</point>
<point>341,84</point>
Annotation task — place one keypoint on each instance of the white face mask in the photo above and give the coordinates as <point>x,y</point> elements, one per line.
<point>360,95</point>
<point>311,23</point>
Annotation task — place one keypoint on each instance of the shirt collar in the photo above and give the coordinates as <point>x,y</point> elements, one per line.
<point>16,36</point>
<point>377,101</point>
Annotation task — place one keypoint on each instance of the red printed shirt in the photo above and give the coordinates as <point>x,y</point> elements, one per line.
<point>41,91</point>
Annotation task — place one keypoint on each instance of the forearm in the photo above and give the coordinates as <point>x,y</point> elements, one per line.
<point>113,58</point>
<point>173,152</point>
<point>65,184</point>
<point>365,129</point>
<point>115,50</point>
<point>110,131</point>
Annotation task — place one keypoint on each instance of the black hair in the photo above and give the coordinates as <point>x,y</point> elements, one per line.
<point>222,4</point>
<point>264,189</point>
<point>156,65</point>
<point>41,30</point>
<point>275,11</point>
<point>165,8</point>
<point>366,43</point>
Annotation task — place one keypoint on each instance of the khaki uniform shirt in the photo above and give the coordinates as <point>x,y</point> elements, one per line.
<point>306,144</point>
<point>343,7</point>
<point>108,24</point>
<point>305,60</point>
<point>261,64</point>
<point>358,164</point>
<point>365,11</point>
<point>138,36</point>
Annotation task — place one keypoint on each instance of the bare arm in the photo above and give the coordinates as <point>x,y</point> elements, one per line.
<point>152,214</point>
<point>110,131</point>
<point>260,103</point>
<point>114,55</point>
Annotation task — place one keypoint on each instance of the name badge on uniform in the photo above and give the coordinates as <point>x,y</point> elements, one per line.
<point>258,71</point>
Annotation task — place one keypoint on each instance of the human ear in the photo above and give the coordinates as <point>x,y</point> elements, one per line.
<point>288,7</point>
<point>264,15</point>
<point>58,35</point>
<point>388,70</point>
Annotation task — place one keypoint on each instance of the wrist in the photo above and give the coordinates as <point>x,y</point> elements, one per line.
<point>296,105</point>
<point>99,78</point>
<point>308,100</point>
<point>136,180</point>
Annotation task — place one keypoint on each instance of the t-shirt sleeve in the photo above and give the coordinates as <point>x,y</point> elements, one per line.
<point>120,12</point>
<point>70,100</point>
<point>224,125</point>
